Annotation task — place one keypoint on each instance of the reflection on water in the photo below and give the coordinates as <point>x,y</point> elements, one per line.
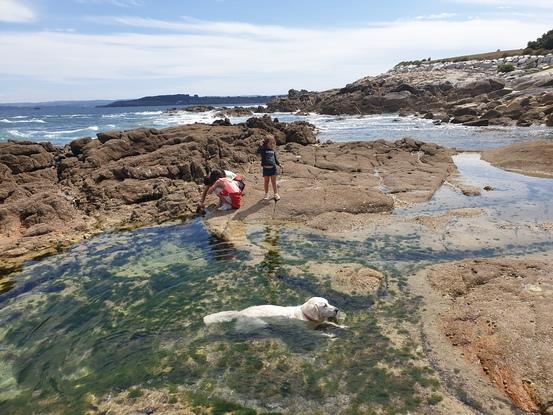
<point>512,196</point>
<point>125,309</point>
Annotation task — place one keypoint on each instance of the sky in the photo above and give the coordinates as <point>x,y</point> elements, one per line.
<point>115,49</point>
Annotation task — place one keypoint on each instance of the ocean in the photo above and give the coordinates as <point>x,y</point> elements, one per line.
<point>62,124</point>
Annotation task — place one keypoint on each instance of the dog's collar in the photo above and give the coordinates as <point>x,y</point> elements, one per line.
<point>307,317</point>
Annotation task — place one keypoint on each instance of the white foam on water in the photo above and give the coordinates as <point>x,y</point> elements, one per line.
<point>71,116</point>
<point>184,117</point>
<point>19,134</point>
<point>148,113</point>
<point>118,115</point>
<point>20,121</point>
<point>54,134</point>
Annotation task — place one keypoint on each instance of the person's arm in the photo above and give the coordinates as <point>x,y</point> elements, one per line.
<point>204,195</point>
<point>276,160</point>
<point>218,183</point>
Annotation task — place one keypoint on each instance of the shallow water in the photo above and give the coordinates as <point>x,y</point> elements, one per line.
<point>60,125</point>
<point>125,309</point>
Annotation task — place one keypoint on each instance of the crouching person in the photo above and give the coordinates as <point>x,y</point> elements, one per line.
<point>225,184</point>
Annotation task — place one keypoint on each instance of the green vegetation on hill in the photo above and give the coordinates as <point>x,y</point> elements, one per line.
<point>543,42</point>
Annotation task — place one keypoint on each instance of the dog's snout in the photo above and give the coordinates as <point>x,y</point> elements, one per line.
<point>336,310</point>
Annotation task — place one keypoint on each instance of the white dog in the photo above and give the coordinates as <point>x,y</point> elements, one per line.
<point>316,311</point>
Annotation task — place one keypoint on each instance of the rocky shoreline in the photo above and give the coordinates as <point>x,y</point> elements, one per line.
<point>473,97</point>
<point>52,197</point>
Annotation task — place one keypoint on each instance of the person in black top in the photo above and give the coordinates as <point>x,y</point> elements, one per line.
<point>269,163</point>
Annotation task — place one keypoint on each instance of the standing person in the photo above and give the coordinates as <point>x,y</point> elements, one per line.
<point>225,184</point>
<point>269,163</point>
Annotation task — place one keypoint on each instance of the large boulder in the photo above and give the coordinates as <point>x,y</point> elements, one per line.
<point>474,88</point>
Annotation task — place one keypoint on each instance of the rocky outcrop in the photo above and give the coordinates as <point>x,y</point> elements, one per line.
<point>330,186</point>
<point>533,158</point>
<point>468,96</point>
<point>51,197</point>
<point>494,314</point>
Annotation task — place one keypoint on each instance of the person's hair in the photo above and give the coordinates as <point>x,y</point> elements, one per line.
<point>215,175</point>
<point>269,142</point>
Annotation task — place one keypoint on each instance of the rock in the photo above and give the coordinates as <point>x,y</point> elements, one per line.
<point>466,109</point>
<point>77,145</point>
<point>21,157</point>
<point>523,123</point>
<point>534,158</point>
<point>477,123</point>
<point>474,88</point>
<point>198,108</point>
<point>108,135</point>
<point>549,121</point>
<point>234,112</point>
<point>463,119</point>
<point>492,114</point>
<point>494,314</point>
<point>224,122</point>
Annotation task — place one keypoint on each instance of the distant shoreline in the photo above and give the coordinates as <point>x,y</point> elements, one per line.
<point>185,99</point>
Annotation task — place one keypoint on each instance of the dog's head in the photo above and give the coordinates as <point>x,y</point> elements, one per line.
<point>318,309</point>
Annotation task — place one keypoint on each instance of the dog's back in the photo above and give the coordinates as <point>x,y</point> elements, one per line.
<point>261,311</point>
<point>222,317</point>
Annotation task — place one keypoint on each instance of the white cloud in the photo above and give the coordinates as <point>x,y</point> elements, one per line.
<point>545,4</point>
<point>14,11</point>
<point>236,58</point>
<point>118,3</point>
<point>437,16</point>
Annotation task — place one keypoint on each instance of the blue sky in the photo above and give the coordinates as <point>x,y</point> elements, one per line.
<point>108,49</point>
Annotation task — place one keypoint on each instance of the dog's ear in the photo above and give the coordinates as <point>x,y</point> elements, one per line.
<point>311,310</point>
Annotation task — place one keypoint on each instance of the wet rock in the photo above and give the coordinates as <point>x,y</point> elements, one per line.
<point>534,158</point>
<point>224,122</point>
<point>494,313</point>
<point>477,123</point>
<point>234,112</point>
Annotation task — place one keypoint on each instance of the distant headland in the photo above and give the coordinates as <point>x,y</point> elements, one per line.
<point>186,99</point>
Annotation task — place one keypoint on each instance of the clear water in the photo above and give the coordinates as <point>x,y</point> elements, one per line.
<point>125,309</point>
<point>63,124</point>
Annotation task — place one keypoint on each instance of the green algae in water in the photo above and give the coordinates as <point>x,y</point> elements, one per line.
<point>116,314</point>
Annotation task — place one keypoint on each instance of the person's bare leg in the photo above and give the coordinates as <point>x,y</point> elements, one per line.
<point>266,184</point>
<point>275,190</point>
